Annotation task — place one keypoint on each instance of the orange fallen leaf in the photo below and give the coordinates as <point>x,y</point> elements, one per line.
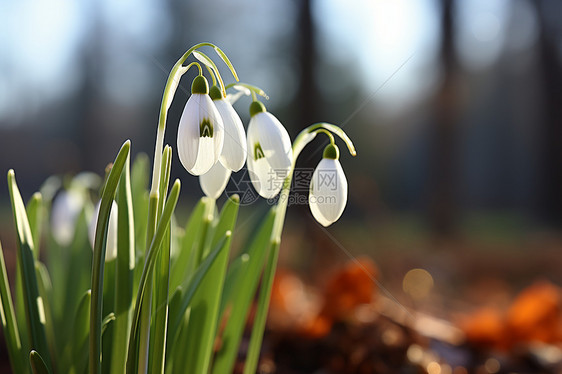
<point>349,288</point>
<point>535,314</point>
<point>485,328</point>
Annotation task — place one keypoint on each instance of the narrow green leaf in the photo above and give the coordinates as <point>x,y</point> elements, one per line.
<point>9,322</point>
<point>33,302</point>
<point>45,291</point>
<point>160,323</point>
<point>181,267</point>
<point>206,302</point>
<point>155,246</point>
<point>68,276</point>
<point>37,364</point>
<point>165,170</point>
<point>19,300</point>
<point>124,271</point>
<point>139,191</point>
<point>80,334</point>
<point>98,265</point>
<point>106,321</point>
<point>240,287</point>
<point>35,215</point>
<point>204,236</point>
<point>152,340</point>
<point>261,313</point>
<point>183,296</point>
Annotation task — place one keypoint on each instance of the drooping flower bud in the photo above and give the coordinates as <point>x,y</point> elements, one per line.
<point>201,130</point>
<point>328,188</point>
<point>269,154</point>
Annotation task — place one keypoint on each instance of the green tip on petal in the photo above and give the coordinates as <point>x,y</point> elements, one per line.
<point>256,107</point>
<point>332,152</point>
<point>200,85</point>
<point>206,129</point>
<point>215,93</point>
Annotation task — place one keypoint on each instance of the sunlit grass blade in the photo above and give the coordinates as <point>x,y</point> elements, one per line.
<point>107,321</point>
<point>183,297</point>
<point>139,192</point>
<point>143,339</point>
<point>37,364</point>
<point>262,308</point>
<point>157,349</point>
<point>33,302</point>
<point>124,271</point>
<point>206,302</point>
<point>181,266</point>
<point>70,276</point>
<point>45,291</point>
<point>35,215</point>
<point>99,257</point>
<point>160,320</point>
<point>19,300</point>
<point>240,287</point>
<point>132,356</point>
<point>9,322</point>
<point>80,334</point>
<point>109,290</point>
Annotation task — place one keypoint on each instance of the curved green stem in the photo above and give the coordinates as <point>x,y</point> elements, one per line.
<point>171,85</point>
<point>212,68</point>
<point>212,74</point>
<point>300,142</point>
<point>332,140</point>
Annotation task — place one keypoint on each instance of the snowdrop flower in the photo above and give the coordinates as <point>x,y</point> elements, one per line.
<point>270,154</point>
<point>328,188</point>
<point>111,245</point>
<point>234,150</point>
<point>215,180</point>
<point>66,208</point>
<point>201,130</point>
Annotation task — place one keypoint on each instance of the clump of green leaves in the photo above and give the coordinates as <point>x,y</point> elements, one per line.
<point>155,307</point>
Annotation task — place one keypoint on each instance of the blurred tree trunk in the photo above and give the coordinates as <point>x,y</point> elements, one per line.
<point>307,96</point>
<point>443,158</point>
<point>550,161</point>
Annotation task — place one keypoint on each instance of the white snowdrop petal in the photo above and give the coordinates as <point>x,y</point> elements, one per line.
<point>65,211</point>
<point>215,180</point>
<point>274,140</point>
<point>328,192</point>
<point>188,132</point>
<point>234,149</point>
<point>316,213</point>
<point>111,245</point>
<point>199,153</point>
<point>264,179</point>
<point>205,157</point>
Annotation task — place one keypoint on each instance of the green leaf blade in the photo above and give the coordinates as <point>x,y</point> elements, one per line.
<point>9,322</point>
<point>32,300</point>
<point>102,225</point>
<point>242,281</point>
<point>206,301</point>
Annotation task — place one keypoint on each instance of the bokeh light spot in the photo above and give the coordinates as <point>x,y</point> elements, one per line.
<point>417,283</point>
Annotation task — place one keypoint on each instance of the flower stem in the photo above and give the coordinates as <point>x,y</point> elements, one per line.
<point>169,90</point>
<point>305,137</point>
